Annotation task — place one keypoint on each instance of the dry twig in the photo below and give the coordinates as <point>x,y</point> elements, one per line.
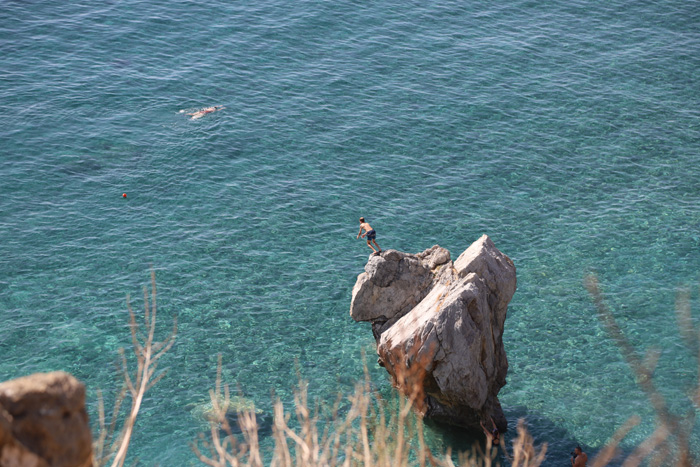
<point>148,352</point>
<point>660,443</point>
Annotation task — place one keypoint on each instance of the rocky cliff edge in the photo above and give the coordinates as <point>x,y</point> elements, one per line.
<point>43,422</point>
<point>444,319</point>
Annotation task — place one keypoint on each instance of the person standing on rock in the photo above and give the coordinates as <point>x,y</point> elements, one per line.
<point>370,234</point>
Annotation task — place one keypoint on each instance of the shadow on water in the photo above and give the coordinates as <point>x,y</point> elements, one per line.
<point>264,422</point>
<point>440,437</point>
<point>560,443</point>
<point>81,166</point>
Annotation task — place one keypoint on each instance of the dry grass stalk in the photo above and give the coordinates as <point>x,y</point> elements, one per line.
<point>106,433</point>
<point>610,450</point>
<point>669,444</point>
<point>371,433</point>
<point>148,352</point>
<point>219,449</point>
<point>524,452</point>
<point>366,436</point>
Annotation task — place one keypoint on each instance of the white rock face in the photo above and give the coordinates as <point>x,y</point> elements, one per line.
<point>393,284</point>
<point>448,319</point>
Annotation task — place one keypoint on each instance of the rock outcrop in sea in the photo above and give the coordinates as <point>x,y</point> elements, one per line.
<point>439,327</point>
<point>43,422</point>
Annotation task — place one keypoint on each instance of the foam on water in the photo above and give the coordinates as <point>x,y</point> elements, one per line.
<point>567,133</point>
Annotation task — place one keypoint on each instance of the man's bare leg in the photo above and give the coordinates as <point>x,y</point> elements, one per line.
<point>370,245</point>
<point>378,247</point>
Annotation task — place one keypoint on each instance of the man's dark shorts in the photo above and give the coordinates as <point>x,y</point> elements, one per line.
<point>371,235</point>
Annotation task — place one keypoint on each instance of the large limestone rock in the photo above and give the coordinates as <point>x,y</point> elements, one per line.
<point>393,284</point>
<point>439,326</point>
<point>43,422</point>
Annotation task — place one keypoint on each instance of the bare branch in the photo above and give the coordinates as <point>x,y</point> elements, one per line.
<point>610,450</point>
<point>136,385</point>
<point>643,372</point>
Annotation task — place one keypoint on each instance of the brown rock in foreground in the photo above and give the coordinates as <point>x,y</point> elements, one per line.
<point>43,422</point>
<point>446,317</point>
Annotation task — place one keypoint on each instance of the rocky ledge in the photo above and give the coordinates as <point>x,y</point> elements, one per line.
<point>43,422</point>
<point>439,327</point>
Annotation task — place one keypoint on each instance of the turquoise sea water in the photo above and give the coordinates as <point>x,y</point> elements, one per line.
<point>569,132</point>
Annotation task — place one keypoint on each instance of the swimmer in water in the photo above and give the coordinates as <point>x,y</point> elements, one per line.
<point>203,112</point>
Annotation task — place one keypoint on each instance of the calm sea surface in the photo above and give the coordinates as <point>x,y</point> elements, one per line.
<point>567,131</point>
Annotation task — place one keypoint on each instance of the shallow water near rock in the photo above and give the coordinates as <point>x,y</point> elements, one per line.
<point>567,132</point>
